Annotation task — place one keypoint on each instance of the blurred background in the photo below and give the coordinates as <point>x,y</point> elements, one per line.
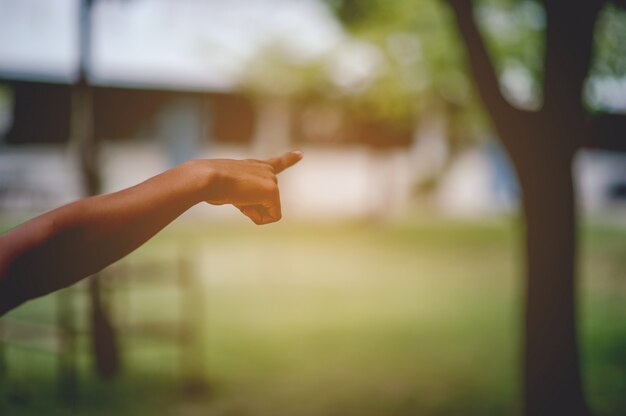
<point>394,283</point>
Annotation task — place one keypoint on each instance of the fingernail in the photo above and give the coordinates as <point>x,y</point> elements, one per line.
<point>299,153</point>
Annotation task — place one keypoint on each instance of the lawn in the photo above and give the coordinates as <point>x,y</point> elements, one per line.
<point>412,318</point>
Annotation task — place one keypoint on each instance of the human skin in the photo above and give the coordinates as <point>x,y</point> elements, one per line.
<point>62,246</point>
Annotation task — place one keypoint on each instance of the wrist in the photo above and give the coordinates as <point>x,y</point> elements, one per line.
<point>200,180</point>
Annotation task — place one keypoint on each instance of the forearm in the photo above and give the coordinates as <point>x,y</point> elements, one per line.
<point>61,247</point>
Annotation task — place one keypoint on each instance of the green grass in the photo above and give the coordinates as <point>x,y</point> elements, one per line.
<point>352,319</point>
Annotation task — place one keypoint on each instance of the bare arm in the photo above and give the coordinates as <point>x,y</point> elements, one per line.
<point>69,243</point>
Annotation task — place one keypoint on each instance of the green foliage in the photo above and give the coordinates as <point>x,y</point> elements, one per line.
<point>514,33</point>
<point>610,43</point>
<point>425,69</point>
<point>421,64</point>
<point>274,72</point>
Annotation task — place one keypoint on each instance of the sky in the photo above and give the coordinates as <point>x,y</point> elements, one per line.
<point>38,38</point>
<point>194,44</point>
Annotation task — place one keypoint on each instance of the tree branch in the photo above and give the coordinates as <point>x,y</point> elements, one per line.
<point>480,63</point>
<point>568,52</point>
<point>619,3</point>
<point>606,132</point>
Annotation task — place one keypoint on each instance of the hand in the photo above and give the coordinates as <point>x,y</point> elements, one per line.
<point>250,185</point>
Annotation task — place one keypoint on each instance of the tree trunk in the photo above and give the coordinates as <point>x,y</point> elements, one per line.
<point>542,145</point>
<point>104,341</point>
<point>552,383</point>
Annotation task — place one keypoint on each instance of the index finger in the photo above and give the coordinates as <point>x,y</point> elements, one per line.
<point>285,161</point>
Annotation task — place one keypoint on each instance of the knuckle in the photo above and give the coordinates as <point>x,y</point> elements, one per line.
<point>272,186</point>
<point>252,162</point>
